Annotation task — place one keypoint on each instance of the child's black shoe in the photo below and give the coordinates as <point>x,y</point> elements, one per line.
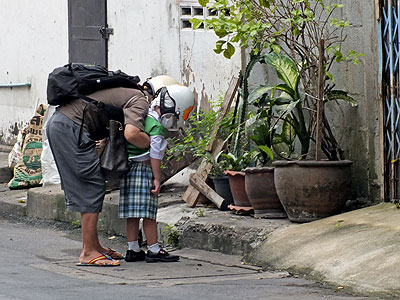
<point>132,256</point>
<point>161,256</point>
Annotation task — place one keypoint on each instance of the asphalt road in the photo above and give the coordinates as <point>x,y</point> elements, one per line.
<point>38,262</point>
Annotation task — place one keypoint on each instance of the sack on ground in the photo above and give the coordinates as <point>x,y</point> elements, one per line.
<point>16,151</point>
<point>28,170</point>
<point>114,157</point>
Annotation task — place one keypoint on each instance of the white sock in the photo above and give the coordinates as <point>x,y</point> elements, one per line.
<point>134,246</point>
<point>155,248</point>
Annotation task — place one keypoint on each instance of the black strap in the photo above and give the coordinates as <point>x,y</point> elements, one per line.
<point>81,128</point>
<point>172,110</point>
<point>91,100</point>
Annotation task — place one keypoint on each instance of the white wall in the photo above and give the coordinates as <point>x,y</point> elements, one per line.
<point>33,39</point>
<point>154,44</point>
<point>209,73</point>
<point>146,38</point>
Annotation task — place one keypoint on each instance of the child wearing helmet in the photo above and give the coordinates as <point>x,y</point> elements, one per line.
<point>182,95</point>
<point>140,187</point>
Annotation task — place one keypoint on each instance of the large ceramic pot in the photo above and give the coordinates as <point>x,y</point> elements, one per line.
<point>238,188</point>
<point>311,190</point>
<point>260,188</point>
<point>222,187</point>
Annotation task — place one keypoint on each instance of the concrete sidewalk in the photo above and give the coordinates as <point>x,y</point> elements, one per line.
<point>358,250</point>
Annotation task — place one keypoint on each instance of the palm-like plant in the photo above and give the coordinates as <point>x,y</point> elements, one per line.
<point>304,39</point>
<point>284,108</point>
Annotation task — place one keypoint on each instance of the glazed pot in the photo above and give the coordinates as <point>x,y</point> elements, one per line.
<point>311,190</point>
<point>260,189</point>
<point>222,187</point>
<point>238,188</point>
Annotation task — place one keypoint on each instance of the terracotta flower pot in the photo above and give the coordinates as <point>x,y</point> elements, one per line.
<point>238,189</point>
<point>311,190</point>
<point>260,188</point>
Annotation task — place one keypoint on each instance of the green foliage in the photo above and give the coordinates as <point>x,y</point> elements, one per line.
<point>172,236</point>
<point>235,23</point>
<point>219,165</point>
<point>262,140</point>
<point>291,32</point>
<point>281,112</point>
<point>341,95</point>
<point>199,135</point>
<point>236,163</point>
<point>76,223</point>
<point>199,213</point>
<point>286,70</point>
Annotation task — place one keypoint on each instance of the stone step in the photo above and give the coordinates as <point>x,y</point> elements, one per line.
<point>6,173</point>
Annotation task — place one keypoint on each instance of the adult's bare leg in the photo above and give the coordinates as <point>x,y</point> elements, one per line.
<point>91,247</point>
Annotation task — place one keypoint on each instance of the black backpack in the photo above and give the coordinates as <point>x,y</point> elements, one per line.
<point>74,81</point>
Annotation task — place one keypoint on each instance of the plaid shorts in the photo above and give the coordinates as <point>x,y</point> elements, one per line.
<point>136,199</point>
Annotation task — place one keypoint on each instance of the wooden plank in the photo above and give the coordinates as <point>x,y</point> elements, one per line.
<point>210,194</point>
<point>192,195</point>
<point>226,105</point>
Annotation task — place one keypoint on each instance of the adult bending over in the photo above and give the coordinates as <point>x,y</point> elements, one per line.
<point>77,161</point>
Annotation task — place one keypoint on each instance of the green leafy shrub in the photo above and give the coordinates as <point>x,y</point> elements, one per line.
<point>172,236</point>
<point>303,37</point>
<point>200,134</point>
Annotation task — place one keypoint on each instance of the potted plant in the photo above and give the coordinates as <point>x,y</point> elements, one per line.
<point>302,41</point>
<point>259,174</point>
<point>234,169</point>
<point>220,179</point>
<point>259,179</point>
<point>307,189</point>
<point>195,142</point>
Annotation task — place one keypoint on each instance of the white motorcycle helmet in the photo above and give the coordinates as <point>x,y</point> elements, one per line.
<point>176,103</point>
<point>154,84</point>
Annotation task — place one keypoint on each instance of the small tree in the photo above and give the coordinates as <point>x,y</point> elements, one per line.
<point>310,34</point>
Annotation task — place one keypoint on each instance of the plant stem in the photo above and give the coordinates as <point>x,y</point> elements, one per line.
<point>320,101</point>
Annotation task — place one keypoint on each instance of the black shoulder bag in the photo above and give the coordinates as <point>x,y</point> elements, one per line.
<point>114,157</point>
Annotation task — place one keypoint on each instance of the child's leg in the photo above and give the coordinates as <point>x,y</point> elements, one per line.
<point>155,253</point>
<point>150,230</point>
<point>132,233</point>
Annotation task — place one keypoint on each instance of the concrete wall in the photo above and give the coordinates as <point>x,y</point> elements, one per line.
<point>32,41</point>
<point>161,45</point>
<point>361,127</point>
<point>210,73</point>
<point>358,129</point>
<point>148,40</point>
<point>144,44</point>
